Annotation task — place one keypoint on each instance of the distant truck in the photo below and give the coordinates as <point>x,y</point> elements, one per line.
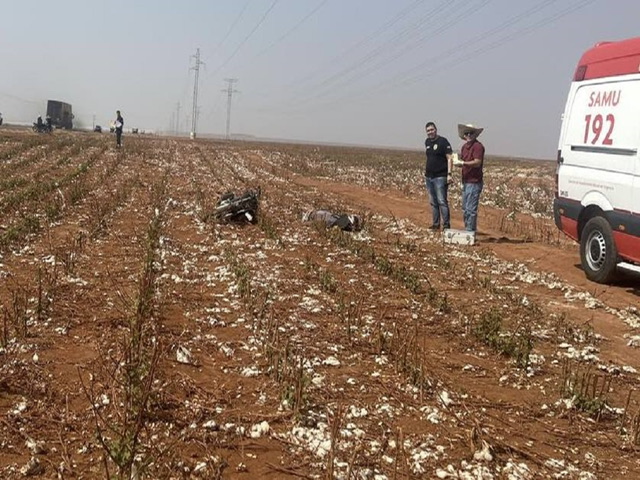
<point>60,114</point>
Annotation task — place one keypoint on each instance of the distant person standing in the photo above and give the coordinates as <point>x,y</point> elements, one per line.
<point>438,175</point>
<point>119,124</point>
<point>472,160</point>
<point>0,118</point>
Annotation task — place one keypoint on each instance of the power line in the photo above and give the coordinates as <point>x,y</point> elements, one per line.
<point>387,85</point>
<point>235,22</point>
<point>183,98</point>
<point>442,55</point>
<point>209,113</point>
<point>334,60</point>
<point>292,29</point>
<point>398,45</point>
<point>177,118</point>
<point>445,22</point>
<point>430,62</point>
<point>247,37</point>
<point>402,80</point>
<point>505,39</point>
<point>20,99</point>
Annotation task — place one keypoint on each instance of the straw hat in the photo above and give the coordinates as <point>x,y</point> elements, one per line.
<point>468,127</point>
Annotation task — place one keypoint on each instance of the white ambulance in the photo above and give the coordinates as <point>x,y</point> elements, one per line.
<point>598,175</point>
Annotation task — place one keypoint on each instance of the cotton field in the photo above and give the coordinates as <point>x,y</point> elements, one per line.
<point>142,338</point>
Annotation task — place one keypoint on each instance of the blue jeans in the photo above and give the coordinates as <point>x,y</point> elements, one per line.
<point>470,202</point>
<point>437,188</point>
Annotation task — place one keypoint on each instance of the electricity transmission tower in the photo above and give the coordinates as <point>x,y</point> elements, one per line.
<point>178,119</point>
<point>194,115</point>
<point>230,91</point>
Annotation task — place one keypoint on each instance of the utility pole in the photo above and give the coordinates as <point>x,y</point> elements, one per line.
<point>230,91</point>
<point>178,119</point>
<point>194,115</point>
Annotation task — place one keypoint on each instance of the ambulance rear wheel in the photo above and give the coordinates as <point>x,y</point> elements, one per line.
<point>598,252</point>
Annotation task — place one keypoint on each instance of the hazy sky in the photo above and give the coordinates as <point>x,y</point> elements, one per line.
<point>357,71</point>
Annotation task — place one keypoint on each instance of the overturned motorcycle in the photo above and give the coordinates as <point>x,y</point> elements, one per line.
<point>242,208</point>
<point>42,128</point>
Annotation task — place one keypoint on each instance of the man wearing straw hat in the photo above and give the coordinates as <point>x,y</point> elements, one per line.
<point>472,158</point>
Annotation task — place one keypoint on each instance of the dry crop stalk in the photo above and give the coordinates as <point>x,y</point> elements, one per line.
<point>133,374</point>
<point>334,434</point>
<point>626,410</point>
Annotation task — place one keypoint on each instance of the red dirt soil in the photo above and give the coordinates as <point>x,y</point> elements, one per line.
<point>142,339</point>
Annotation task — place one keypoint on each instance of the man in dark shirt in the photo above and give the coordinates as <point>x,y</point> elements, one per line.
<point>438,175</point>
<point>472,154</point>
<point>119,124</point>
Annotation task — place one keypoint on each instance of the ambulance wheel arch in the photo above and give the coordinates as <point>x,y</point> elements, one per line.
<point>597,199</point>
<point>598,252</point>
<point>593,204</point>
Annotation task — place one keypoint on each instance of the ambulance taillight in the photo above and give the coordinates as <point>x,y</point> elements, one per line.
<point>559,161</point>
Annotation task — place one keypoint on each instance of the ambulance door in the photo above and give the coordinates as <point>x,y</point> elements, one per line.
<point>635,193</point>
